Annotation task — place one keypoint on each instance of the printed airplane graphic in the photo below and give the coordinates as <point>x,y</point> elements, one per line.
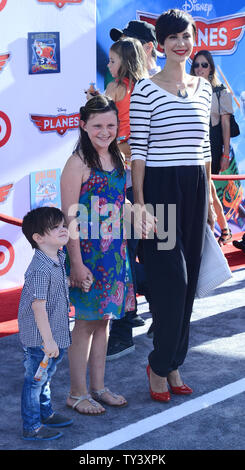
<point>4,192</point>
<point>3,59</point>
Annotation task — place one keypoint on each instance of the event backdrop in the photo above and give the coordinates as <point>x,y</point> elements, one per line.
<point>220,29</point>
<point>42,80</point>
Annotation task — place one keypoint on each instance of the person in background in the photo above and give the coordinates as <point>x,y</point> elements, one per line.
<point>93,182</point>
<point>221,109</point>
<point>127,64</point>
<point>121,337</point>
<point>145,33</point>
<point>171,163</point>
<point>43,319</point>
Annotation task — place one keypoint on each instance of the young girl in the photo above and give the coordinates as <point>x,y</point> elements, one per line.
<point>93,181</point>
<point>127,64</point>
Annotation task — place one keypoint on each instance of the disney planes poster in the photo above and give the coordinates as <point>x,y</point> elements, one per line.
<point>44,53</point>
<point>45,188</point>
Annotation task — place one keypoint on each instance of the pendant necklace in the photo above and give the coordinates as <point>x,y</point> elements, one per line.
<point>182,91</point>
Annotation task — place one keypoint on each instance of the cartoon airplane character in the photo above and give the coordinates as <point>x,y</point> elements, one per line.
<point>45,52</point>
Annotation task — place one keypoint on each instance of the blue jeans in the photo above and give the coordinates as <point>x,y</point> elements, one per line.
<point>36,398</point>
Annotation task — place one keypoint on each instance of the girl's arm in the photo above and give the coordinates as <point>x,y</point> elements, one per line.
<point>144,222</point>
<point>111,90</point>
<point>71,180</point>
<point>115,91</point>
<point>140,116</point>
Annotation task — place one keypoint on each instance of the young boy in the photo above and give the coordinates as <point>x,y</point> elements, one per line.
<point>43,320</point>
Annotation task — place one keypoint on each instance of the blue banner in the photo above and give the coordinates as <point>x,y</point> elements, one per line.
<point>220,29</point>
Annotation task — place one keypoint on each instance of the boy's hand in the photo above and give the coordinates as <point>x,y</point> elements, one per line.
<point>50,348</point>
<point>41,317</point>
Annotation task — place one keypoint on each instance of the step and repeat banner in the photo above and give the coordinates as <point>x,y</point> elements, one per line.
<point>220,30</point>
<point>48,54</point>
<point>47,59</point>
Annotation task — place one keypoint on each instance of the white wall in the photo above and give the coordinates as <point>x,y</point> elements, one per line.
<point>28,149</point>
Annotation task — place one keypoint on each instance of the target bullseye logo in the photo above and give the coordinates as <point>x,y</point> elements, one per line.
<point>6,256</point>
<point>5,128</point>
<point>2,4</point>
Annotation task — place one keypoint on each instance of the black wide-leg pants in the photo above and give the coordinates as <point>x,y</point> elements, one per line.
<point>172,274</point>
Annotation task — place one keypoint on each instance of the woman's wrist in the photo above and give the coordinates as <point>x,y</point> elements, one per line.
<point>225,156</point>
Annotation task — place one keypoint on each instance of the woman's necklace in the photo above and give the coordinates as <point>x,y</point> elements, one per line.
<point>182,90</point>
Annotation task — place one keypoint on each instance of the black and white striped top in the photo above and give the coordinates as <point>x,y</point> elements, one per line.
<point>45,279</point>
<point>167,130</point>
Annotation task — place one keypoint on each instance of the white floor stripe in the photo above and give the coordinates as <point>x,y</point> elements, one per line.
<point>116,438</point>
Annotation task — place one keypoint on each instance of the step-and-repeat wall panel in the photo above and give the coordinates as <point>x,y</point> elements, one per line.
<point>220,29</point>
<point>47,59</point>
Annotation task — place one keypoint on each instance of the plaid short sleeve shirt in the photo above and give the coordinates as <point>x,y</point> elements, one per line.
<point>45,279</point>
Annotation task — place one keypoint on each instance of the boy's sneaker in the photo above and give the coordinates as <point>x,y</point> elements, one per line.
<point>137,320</point>
<point>118,349</point>
<point>56,420</point>
<point>43,434</point>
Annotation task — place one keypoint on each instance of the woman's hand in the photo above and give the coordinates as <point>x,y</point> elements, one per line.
<point>81,276</point>
<point>144,222</point>
<point>224,163</point>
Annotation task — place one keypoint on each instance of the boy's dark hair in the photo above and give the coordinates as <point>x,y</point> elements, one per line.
<point>40,221</point>
<point>171,22</point>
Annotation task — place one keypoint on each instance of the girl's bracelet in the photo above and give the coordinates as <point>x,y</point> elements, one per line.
<point>226,156</point>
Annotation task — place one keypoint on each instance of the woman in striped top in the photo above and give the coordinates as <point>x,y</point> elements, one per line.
<point>169,116</point>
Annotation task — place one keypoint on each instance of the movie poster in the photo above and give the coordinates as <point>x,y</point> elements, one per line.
<point>45,188</point>
<point>44,53</point>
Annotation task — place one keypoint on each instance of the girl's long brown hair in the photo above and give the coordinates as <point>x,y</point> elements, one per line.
<point>133,60</point>
<point>84,148</point>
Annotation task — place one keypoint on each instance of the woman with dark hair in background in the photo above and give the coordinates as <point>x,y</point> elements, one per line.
<point>221,109</point>
<point>171,162</point>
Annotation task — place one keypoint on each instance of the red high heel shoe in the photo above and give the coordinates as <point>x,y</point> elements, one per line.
<point>163,396</point>
<point>182,390</point>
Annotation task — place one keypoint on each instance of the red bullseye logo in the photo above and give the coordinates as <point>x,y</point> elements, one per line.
<point>2,4</point>
<point>5,128</point>
<point>6,256</point>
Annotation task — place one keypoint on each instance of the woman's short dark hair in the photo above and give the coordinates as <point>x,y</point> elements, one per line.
<point>40,221</point>
<point>171,22</point>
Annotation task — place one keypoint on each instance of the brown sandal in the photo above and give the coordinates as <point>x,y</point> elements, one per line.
<point>225,237</point>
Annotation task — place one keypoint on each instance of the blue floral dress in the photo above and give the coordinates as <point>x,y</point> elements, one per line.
<point>104,249</point>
